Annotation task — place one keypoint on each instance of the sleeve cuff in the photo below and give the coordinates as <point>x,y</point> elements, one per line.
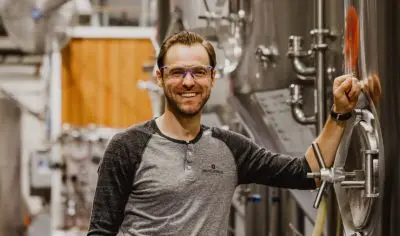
<point>309,183</point>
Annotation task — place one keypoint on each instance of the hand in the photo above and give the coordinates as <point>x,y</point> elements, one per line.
<point>346,90</point>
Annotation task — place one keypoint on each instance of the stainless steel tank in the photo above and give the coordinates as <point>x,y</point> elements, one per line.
<point>388,54</point>
<point>269,24</point>
<point>276,72</point>
<point>378,53</point>
<point>265,66</point>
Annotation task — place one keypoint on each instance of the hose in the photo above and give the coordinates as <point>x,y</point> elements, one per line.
<point>320,219</point>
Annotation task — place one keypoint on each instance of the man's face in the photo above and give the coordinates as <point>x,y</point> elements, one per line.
<point>187,79</point>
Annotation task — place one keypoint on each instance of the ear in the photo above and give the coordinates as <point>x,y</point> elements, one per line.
<point>159,78</point>
<point>214,72</point>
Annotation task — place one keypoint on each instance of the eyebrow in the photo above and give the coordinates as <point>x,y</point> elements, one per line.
<point>186,65</point>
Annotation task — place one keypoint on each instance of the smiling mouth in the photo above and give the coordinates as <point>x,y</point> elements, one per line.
<point>188,95</point>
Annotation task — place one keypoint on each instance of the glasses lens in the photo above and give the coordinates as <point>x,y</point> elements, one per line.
<point>200,72</point>
<point>176,72</point>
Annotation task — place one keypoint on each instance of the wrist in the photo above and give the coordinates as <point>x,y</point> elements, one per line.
<point>335,109</point>
<point>338,115</point>
<point>336,123</point>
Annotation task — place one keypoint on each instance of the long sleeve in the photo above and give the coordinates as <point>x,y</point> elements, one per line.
<point>261,166</point>
<point>258,165</point>
<point>115,178</point>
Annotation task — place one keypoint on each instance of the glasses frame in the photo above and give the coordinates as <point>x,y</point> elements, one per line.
<point>188,70</point>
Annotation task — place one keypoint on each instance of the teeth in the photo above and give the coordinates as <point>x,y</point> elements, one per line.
<point>188,94</point>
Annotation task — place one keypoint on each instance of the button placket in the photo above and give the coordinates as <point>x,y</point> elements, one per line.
<point>189,156</point>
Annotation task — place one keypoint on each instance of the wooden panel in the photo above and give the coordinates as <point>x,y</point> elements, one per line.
<point>99,82</point>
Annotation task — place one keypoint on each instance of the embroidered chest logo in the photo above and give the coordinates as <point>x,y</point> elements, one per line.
<point>213,170</point>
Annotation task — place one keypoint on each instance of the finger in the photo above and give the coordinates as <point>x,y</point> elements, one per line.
<point>339,80</point>
<point>352,91</point>
<point>345,87</point>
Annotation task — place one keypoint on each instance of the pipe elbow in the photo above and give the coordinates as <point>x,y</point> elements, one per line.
<point>301,68</point>
<point>296,106</point>
<point>300,117</point>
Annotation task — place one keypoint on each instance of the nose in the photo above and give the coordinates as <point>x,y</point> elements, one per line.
<point>188,80</point>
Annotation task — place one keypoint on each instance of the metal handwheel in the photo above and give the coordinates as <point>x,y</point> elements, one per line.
<point>356,172</point>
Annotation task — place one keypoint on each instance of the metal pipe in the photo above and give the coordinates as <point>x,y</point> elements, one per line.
<point>299,116</point>
<point>321,111</point>
<point>55,129</point>
<point>163,23</point>
<point>353,184</point>
<point>144,13</point>
<point>296,54</point>
<point>313,175</point>
<point>320,80</point>
<point>104,16</point>
<point>369,172</point>
<point>296,106</point>
<point>350,174</point>
<point>369,187</point>
<point>300,68</point>
<point>163,8</point>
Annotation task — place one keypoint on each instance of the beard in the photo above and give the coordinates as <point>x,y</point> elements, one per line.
<point>177,110</point>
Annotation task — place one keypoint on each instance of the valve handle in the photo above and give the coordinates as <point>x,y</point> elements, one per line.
<point>321,164</point>
<point>318,155</point>
<point>320,193</point>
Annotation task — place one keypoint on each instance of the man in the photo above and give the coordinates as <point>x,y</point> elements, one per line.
<point>173,176</point>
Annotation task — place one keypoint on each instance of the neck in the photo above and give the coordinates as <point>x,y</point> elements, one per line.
<point>178,126</point>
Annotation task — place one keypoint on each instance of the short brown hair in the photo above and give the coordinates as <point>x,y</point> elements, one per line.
<point>188,39</point>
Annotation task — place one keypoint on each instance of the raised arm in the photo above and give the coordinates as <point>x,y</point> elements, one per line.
<point>115,178</point>
<point>346,92</point>
<point>259,165</point>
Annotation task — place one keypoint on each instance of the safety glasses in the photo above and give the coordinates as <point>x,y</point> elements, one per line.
<point>179,72</point>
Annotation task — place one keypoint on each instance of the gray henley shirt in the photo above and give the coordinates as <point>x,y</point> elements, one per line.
<point>151,184</point>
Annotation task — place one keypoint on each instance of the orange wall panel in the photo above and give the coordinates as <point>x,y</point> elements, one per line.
<point>99,82</point>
